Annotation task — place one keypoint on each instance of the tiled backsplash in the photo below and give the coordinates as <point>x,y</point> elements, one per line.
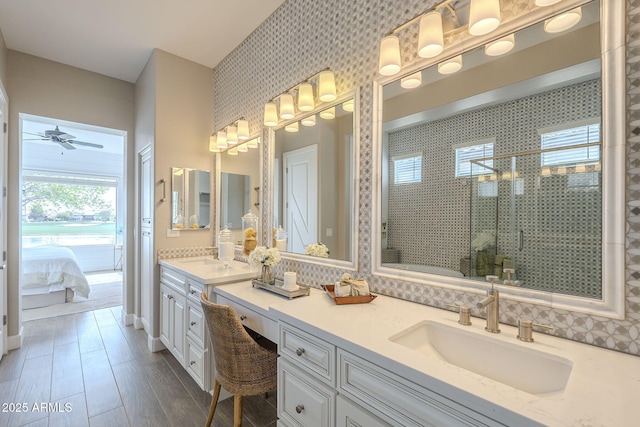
<point>305,36</point>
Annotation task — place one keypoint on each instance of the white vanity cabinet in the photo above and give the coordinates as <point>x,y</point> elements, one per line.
<point>172,312</point>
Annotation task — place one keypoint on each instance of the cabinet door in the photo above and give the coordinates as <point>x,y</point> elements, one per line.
<point>179,330</point>
<point>348,414</point>
<point>146,278</point>
<point>165,316</point>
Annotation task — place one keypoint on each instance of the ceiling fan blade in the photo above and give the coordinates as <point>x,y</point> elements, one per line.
<point>57,132</point>
<point>88,144</point>
<point>66,145</point>
<point>36,134</point>
<point>36,139</point>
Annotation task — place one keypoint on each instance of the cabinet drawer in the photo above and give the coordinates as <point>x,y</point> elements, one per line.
<point>263,325</point>
<point>195,324</point>
<point>195,362</point>
<point>397,400</point>
<point>308,351</point>
<point>173,279</point>
<point>194,291</point>
<point>348,414</point>
<point>302,400</point>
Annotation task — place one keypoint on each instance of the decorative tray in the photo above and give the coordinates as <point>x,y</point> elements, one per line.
<point>329,289</point>
<point>277,289</point>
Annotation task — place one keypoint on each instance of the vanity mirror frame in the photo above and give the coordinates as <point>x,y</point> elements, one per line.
<point>328,262</point>
<point>184,199</point>
<point>612,34</point>
<point>255,194</point>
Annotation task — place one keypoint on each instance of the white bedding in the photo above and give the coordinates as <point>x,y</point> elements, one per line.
<point>47,265</point>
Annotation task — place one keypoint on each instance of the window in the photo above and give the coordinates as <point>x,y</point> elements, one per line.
<point>567,136</point>
<point>471,151</point>
<point>407,169</point>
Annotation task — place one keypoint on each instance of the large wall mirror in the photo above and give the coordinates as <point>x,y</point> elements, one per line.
<point>238,184</point>
<point>315,164</point>
<point>503,168</point>
<point>190,199</point>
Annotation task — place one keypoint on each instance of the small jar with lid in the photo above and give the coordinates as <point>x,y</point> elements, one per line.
<point>226,246</point>
<point>249,233</point>
<point>281,239</point>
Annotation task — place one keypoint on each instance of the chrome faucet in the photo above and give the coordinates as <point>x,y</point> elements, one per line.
<point>492,303</point>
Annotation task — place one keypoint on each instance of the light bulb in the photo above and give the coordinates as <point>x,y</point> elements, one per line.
<point>221,140</point>
<point>291,127</point>
<point>484,16</point>
<point>287,110</point>
<point>270,114</point>
<point>564,21</point>
<point>389,56</point>
<point>430,37</point>
<point>450,66</point>
<point>243,130</point>
<point>328,114</point>
<point>500,46</point>
<point>305,97</point>
<point>326,86</point>
<point>232,135</point>
<point>411,81</point>
<point>309,121</point>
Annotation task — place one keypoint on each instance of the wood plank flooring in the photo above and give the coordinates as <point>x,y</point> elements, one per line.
<point>88,369</point>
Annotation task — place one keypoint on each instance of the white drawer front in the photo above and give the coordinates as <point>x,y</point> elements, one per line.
<point>348,414</point>
<point>397,399</point>
<point>303,401</point>
<point>264,326</point>
<point>195,362</point>
<point>173,279</point>
<point>194,291</point>
<point>308,351</point>
<point>195,324</point>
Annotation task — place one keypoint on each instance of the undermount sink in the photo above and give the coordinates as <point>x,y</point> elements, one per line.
<point>524,368</point>
<point>203,261</point>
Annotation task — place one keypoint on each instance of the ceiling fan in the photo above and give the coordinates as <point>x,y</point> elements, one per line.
<point>64,139</point>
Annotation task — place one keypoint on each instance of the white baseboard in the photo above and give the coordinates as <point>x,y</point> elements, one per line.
<point>15,341</point>
<point>137,322</point>
<point>128,319</point>
<point>154,344</point>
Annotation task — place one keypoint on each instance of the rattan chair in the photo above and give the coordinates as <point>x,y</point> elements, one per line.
<point>243,367</point>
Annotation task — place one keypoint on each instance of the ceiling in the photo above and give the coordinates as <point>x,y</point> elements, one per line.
<point>117,37</point>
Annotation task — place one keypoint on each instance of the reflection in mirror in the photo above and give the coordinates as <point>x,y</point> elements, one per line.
<point>239,185</point>
<point>496,169</point>
<point>314,185</point>
<point>190,199</point>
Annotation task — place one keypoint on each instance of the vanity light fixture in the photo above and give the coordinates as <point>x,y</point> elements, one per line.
<point>326,86</point>
<point>481,178</point>
<point>242,148</point>
<point>564,21</point>
<point>213,147</point>
<point>348,105</point>
<point>243,130</point>
<point>581,168</point>
<point>253,143</point>
<point>546,171</point>
<point>232,151</point>
<point>291,127</point>
<point>484,16</point>
<point>451,65</point>
<point>411,81</point>
<point>328,114</point>
<point>500,46</point>
<point>232,135</point>
<point>221,140</point>
<point>562,170</point>
<point>309,121</point>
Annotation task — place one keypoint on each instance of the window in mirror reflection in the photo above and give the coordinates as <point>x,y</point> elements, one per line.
<point>313,182</point>
<point>511,168</point>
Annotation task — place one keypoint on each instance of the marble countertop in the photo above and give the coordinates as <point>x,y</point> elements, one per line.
<point>602,390</point>
<point>211,271</point>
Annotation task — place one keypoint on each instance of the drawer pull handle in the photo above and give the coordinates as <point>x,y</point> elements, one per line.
<point>243,317</point>
<point>193,323</point>
<point>169,296</point>
<point>299,408</point>
<point>193,291</point>
<point>300,351</point>
<point>193,362</point>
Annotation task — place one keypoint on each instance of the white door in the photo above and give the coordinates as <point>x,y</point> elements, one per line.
<point>301,197</point>
<point>145,241</point>
<point>4,118</point>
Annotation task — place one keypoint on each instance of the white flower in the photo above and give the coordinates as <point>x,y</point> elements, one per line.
<point>263,256</point>
<point>317,249</point>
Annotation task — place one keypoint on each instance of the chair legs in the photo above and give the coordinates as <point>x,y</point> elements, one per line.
<point>214,402</point>
<point>237,411</point>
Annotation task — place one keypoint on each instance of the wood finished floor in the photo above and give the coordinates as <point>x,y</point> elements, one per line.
<point>105,373</point>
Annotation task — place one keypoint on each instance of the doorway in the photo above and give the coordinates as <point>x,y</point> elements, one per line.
<point>72,217</point>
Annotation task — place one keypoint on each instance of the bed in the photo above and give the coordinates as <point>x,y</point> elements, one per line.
<point>51,275</point>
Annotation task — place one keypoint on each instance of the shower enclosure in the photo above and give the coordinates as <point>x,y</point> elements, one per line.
<point>539,213</point>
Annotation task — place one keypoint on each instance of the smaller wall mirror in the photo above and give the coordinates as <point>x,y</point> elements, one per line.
<point>315,167</point>
<point>190,199</point>
<point>238,184</point>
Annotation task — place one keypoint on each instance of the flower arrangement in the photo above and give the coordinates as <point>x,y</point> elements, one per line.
<point>317,249</point>
<point>483,240</point>
<point>263,256</point>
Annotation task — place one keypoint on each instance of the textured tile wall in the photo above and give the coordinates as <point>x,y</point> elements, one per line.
<point>305,36</point>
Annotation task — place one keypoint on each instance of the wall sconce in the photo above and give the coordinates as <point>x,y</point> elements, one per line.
<point>564,21</point>
<point>484,17</point>
<point>325,84</point>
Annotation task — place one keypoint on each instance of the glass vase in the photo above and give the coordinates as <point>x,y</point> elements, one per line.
<point>266,275</point>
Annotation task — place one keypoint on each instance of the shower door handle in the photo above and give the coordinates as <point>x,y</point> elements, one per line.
<point>521,240</point>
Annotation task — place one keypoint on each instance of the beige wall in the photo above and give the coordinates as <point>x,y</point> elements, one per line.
<point>3,59</point>
<point>45,88</point>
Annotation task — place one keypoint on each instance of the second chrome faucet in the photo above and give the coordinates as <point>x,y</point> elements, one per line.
<point>492,303</point>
